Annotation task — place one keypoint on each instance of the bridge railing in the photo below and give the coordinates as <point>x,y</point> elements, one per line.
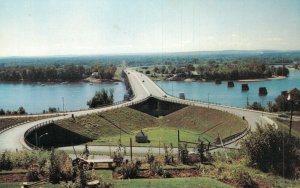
<point>7,127</point>
<point>32,129</point>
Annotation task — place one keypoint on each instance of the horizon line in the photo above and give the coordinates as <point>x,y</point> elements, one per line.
<point>145,53</point>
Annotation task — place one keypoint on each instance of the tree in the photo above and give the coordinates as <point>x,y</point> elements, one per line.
<point>54,169</point>
<point>284,105</point>
<point>101,98</point>
<point>2,112</point>
<point>21,111</point>
<point>52,110</point>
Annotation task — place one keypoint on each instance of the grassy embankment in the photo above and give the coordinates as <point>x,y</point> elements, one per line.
<point>106,127</point>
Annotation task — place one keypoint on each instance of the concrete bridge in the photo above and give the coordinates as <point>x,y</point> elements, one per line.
<point>143,88</point>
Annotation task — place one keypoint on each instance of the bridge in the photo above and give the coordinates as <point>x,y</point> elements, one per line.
<point>143,88</point>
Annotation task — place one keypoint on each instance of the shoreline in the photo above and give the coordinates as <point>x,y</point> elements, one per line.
<point>60,83</point>
<point>242,81</point>
<point>263,79</point>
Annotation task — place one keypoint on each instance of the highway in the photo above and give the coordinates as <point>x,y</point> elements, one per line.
<point>143,87</point>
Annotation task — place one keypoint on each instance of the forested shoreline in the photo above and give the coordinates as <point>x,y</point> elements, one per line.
<point>222,65</point>
<point>55,73</point>
<point>222,71</point>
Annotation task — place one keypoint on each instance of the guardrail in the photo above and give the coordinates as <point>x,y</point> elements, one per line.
<point>7,127</point>
<point>31,129</point>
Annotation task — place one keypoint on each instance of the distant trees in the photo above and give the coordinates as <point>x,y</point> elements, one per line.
<point>52,110</point>
<point>55,73</point>
<point>102,97</point>
<point>104,71</point>
<point>236,71</point>
<point>20,111</point>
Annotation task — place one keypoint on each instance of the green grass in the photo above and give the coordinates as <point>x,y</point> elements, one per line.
<point>10,185</point>
<point>106,175</point>
<point>157,183</point>
<point>173,182</point>
<point>157,135</point>
<point>191,121</point>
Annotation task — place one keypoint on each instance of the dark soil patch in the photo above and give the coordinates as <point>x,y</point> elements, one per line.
<point>15,177</point>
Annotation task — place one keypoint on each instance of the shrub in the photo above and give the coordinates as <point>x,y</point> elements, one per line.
<point>32,174</point>
<point>101,98</point>
<point>183,153</point>
<point>24,159</point>
<point>169,158</point>
<point>130,170</point>
<point>245,180</point>
<point>5,162</point>
<point>272,150</point>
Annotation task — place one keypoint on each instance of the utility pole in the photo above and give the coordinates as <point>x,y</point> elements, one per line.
<point>130,149</point>
<point>291,117</point>
<point>178,141</point>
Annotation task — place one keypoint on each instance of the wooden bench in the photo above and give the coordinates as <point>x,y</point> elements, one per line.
<point>97,162</point>
<point>94,163</point>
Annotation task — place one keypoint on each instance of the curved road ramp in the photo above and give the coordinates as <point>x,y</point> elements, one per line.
<point>144,90</point>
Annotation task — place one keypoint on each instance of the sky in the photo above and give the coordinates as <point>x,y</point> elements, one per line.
<point>89,27</point>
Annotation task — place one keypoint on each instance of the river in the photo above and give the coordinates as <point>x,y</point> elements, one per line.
<point>36,97</point>
<point>209,91</point>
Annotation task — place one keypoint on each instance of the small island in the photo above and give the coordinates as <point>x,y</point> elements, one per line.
<point>218,72</point>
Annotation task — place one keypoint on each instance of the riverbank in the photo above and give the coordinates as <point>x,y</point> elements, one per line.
<point>263,79</point>
<point>96,80</point>
<point>91,80</point>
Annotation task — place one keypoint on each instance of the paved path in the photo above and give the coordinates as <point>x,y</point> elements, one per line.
<point>143,87</point>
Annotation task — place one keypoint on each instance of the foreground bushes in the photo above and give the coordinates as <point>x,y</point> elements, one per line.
<point>272,150</point>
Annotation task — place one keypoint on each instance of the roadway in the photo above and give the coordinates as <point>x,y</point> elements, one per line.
<point>143,87</point>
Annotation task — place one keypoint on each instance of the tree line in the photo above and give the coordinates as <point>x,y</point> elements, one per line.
<point>55,73</point>
<point>224,71</point>
<point>20,111</point>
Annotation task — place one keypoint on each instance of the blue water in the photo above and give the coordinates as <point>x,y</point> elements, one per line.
<point>205,91</point>
<point>36,98</point>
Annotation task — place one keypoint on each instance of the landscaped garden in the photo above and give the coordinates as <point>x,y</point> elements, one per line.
<point>248,167</point>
